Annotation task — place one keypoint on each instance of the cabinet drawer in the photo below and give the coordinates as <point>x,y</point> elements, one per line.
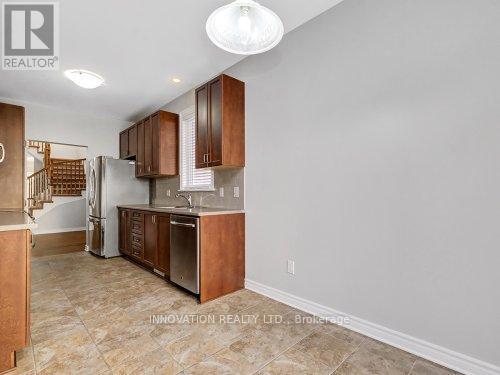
<point>136,240</point>
<point>136,227</point>
<point>136,251</point>
<point>136,216</point>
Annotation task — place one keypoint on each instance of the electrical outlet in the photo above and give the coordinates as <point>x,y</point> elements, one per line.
<point>168,193</point>
<point>236,192</point>
<point>290,267</point>
<point>221,192</point>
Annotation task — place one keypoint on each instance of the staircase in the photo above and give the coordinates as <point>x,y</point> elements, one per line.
<point>59,177</point>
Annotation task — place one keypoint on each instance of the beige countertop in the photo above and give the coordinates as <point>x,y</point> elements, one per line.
<point>196,211</point>
<point>15,220</point>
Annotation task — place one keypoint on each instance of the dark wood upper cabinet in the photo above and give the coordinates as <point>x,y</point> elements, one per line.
<point>202,127</point>
<point>128,143</point>
<point>215,120</point>
<point>155,143</point>
<point>132,141</point>
<point>158,145</point>
<point>163,244</point>
<point>148,146</point>
<point>139,165</point>
<point>124,144</point>
<point>150,237</point>
<point>11,157</point>
<point>220,123</point>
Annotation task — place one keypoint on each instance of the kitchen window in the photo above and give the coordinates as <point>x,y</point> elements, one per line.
<point>192,179</point>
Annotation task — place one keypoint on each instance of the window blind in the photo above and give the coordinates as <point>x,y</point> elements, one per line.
<point>192,179</point>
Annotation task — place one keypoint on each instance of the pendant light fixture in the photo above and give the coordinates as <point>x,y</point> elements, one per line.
<point>244,27</point>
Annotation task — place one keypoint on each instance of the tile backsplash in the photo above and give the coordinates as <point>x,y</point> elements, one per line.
<point>227,178</point>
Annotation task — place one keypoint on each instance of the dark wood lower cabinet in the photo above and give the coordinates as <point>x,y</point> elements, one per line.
<point>123,231</point>
<point>145,239</point>
<point>14,295</point>
<point>150,239</point>
<point>163,245</point>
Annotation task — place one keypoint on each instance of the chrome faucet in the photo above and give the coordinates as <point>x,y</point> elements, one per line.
<point>186,197</point>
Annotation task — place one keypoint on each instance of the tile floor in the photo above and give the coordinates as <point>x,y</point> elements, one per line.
<point>92,316</point>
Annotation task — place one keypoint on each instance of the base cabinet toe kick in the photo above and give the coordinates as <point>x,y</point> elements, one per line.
<point>204,255</point>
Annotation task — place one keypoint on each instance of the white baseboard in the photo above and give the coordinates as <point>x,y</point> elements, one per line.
<point>448,358</point>
<point>58,230</point>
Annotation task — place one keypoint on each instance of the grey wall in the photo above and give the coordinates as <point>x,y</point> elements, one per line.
<point>373,161</point>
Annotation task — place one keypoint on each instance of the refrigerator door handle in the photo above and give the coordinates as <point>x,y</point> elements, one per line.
<point>92,188</point>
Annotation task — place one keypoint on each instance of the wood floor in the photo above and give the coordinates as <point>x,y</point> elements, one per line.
<point>58,243</point>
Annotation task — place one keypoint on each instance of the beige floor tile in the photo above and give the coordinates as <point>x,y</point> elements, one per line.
<point>194,347</point>
<point>293,362</point>
<point>326,348</point>
<point>156,362</point>
<point>374,358</point>
<point>224,362</point>
<point>126,348</point>
<point>423,367</point>
<point>74,349</point>
<point>50,324</point>
<point>259,348</point>
<point>342,333</point>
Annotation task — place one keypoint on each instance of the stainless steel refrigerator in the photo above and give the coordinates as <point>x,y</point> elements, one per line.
<point>111,182</point>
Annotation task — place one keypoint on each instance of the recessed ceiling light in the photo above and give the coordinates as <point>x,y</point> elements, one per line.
<point>244,27</point>
<point>176,80</point>
<point>84,78</point>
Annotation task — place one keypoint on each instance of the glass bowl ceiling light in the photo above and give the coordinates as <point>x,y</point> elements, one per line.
<point>84,78</point>
<point>244,27</point>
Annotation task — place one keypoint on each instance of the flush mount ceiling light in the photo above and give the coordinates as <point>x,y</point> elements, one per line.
<point>176,80</point>
<point>244,27</point>
<point>84,78</point>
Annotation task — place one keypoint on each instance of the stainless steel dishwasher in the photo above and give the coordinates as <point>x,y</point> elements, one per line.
<point>185,252</point>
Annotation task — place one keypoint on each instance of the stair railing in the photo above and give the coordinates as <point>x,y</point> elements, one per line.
<point>58,178</point>
<point>39,189</point>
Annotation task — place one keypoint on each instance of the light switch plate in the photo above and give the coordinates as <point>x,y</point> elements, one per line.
<point>236,192</point>
<point>168,193</point>
<point>290,267</point>
<point>221,192</point>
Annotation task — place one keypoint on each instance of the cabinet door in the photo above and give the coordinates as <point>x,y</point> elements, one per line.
<point>148,146</point>
<point>139,166</point>
<point>123,144</point>
<point>123,232</point>
<point>155,144</point>
<point>150,234</point>
<point>163,245</point>
<point>202,128</point>
<point>132,141</point>
<point>215,122</point>
<point>11,157</point>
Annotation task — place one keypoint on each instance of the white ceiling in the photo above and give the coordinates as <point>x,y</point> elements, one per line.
<point>137,46</point>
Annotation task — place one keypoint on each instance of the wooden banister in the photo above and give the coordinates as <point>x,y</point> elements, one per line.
<point>58,178</point>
